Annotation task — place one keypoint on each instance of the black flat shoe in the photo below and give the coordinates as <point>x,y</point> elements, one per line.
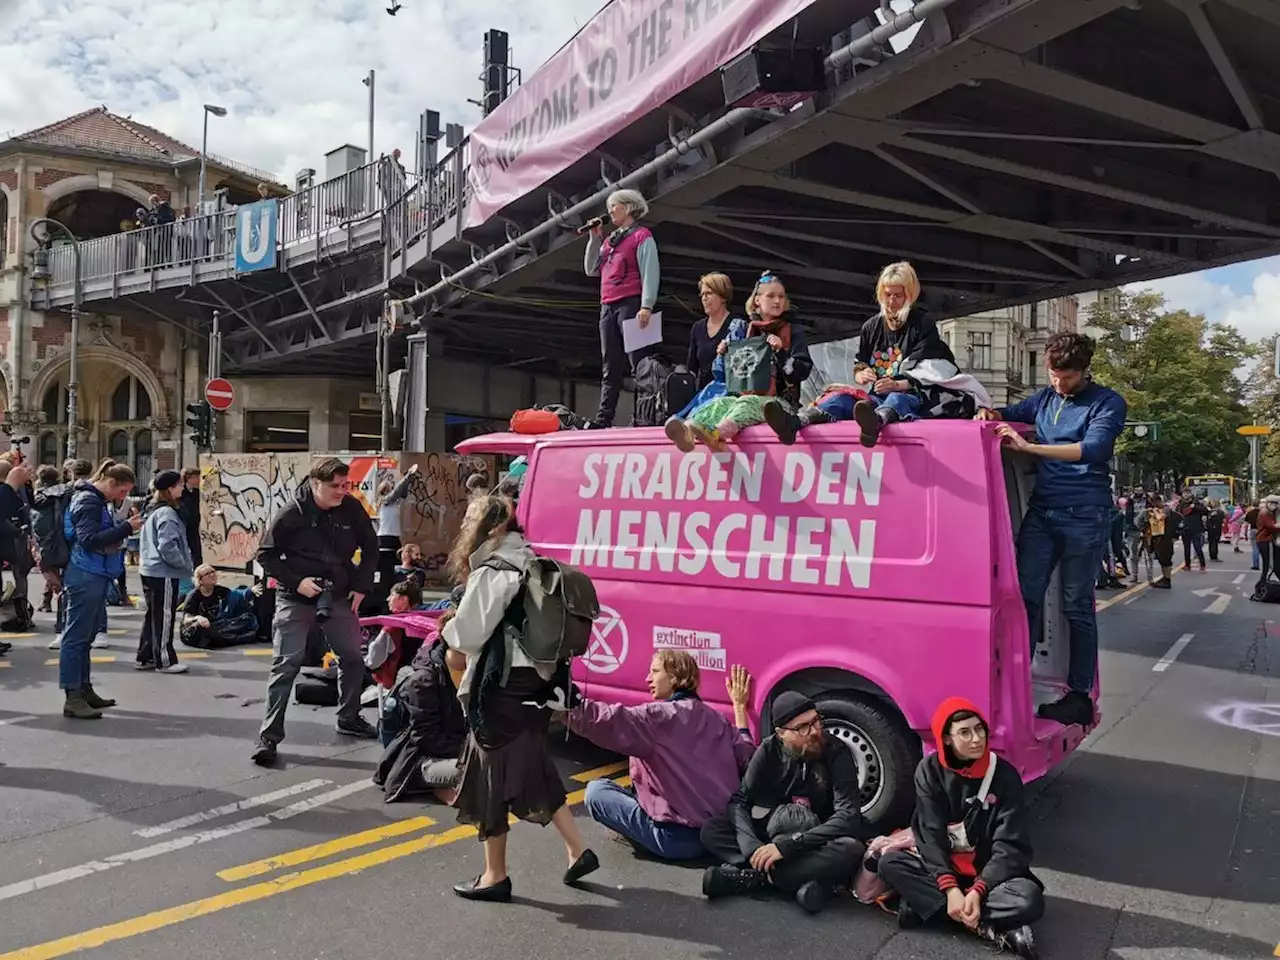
<point>499,892</point>
<point>587,863</point>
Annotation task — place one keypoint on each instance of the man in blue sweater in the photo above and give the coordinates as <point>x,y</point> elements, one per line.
<point>1066,526</point>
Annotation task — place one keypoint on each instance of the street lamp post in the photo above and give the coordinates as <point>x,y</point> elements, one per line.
<point>204,148</point>
<point>73,372</point>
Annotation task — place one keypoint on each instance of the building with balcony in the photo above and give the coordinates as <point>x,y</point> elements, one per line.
<point>1005,348</point>
<point>93,172</point>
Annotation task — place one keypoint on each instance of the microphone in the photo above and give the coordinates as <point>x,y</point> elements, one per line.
<point>594,222</point>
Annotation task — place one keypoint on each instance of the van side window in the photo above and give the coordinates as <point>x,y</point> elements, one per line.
<point>1019,481</point>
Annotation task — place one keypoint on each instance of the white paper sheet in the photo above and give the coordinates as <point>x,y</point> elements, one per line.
<point>634,338</point>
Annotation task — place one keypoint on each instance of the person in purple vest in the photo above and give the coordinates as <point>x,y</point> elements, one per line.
<point>627,264</point>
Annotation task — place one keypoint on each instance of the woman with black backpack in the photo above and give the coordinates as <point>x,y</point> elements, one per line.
<point>506,761</point>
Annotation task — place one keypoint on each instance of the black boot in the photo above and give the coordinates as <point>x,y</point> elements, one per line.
<point>812,896</point>
<point>727,881</point>
<point>864,412</point>
<point>92,699</point>
<point>1074,708</point>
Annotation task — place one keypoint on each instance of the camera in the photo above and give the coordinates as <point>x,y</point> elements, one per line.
<point>324,602</point>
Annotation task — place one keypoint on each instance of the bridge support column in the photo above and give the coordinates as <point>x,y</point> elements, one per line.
<point>423,427</point>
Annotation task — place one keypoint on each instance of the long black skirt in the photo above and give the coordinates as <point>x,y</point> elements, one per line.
<point>508,768</point>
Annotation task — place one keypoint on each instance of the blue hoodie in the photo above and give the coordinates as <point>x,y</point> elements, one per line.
<point>1092,418</point>
<point>95,537</point>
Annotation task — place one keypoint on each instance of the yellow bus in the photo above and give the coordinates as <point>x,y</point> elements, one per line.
<point>1218,486</point>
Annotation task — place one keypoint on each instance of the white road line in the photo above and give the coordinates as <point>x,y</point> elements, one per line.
<point>1131,599</point>
<point>23,887</point>
<point>161,829</point>
<point>1167,660</point>
<point>8,720</point>
<point>1239,578</point>
<point>1219,604</point>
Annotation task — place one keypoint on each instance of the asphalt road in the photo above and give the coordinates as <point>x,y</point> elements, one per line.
<point>1159,839</point>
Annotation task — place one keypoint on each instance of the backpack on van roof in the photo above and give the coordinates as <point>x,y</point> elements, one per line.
<point>558,605</point>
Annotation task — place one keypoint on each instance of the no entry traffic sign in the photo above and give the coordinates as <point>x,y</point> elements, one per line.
<point>220,393</point>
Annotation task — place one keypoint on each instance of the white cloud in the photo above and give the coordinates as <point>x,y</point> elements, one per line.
<point>289,72</point>
<point>1255,314</point>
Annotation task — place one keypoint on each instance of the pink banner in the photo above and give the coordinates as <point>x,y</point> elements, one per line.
<point>632,57</point>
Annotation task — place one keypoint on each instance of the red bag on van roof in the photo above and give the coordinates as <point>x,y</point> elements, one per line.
<point>534,421</point>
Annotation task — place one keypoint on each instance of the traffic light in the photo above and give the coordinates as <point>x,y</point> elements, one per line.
<point>200,420</point>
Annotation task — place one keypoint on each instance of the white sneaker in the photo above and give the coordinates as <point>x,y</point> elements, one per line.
<point>100,641</point>
<point>56,642</point>
<point>175,668</point>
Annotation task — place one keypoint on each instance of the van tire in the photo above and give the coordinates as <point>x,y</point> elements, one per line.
<point>886,753</point>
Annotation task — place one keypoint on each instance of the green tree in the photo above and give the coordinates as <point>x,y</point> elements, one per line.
<point>1262,392</point>
<point>1176,369</point>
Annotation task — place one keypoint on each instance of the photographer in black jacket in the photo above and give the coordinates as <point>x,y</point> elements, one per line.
<point>796,821</point>
<point>310,549</point>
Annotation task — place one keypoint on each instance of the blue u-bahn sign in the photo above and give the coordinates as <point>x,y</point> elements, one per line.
<point>256,236</point>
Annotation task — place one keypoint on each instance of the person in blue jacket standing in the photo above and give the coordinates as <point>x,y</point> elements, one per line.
<point>97,559</point>
<point>1067,522</point>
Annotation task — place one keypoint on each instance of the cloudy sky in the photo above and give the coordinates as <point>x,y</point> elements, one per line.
<point>290,74</point>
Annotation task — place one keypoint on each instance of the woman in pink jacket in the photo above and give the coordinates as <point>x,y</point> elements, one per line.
<point>686,760</point>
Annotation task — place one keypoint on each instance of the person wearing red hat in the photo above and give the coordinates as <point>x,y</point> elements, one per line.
<point>972,862</point>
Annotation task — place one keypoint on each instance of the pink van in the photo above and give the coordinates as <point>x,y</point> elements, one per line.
<point>879,582</point>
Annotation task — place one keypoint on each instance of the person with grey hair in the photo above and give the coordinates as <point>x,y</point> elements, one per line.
<point>627,264</point>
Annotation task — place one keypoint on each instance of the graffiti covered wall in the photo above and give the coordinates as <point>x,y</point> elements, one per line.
<point>433,510</point>
<point>239,494</point>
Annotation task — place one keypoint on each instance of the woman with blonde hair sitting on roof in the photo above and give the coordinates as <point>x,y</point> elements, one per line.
<point>905,367</point>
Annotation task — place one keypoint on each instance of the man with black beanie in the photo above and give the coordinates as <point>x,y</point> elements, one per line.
<point>795,822</point>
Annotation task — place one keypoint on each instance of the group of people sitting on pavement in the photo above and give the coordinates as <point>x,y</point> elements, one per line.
<point>782,815</point>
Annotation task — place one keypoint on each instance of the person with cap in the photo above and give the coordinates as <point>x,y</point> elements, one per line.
<point>165,562</point>
<point>795,822</point>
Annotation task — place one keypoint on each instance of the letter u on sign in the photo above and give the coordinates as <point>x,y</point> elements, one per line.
<point>256,236</point>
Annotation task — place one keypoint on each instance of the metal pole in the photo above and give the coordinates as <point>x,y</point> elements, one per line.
<point>372,155</point>
<point>73,372</point>
<point>215,343</point>
<point>1254,448</point>
<point>204,149</point>
<point>384,373</point>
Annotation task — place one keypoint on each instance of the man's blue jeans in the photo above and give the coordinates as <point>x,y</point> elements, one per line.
<point>1072,539</point>
<point>618,809</point>
<point>85,596</point>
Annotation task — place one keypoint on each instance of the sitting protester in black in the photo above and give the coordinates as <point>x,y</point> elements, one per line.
<point>973,859</point>
<point>422,758</point>
<point>795,822</point>
<point>211,619</point>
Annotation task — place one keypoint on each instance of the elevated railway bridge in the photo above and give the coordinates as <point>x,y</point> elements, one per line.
<point>1014,150</point>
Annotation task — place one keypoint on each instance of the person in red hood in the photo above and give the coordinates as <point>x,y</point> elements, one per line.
<point>973,850</point>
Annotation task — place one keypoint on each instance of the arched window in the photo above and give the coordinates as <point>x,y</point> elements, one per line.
<point>143,459</point>
<point>118,446</point>
<point>49,452</point>
<point>130,401</point>
<point>121,406</point>
<point>54,404</point>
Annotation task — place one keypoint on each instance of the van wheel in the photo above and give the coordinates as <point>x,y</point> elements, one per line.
<point>885,752</point>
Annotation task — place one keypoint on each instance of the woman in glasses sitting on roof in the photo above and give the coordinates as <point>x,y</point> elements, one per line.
<point>771,371</point>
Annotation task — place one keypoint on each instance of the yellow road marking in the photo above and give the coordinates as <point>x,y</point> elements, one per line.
<point>5,633</point>
<point>113,932</point>
<point>106,658</point>
<point>3,664</point>
<point>1137,588</point>
<point>194,655</point>
<point>321,850</point>
<point>117,632</point>
<point>258,653</point>
<point>1277,953</point>
<point>135,926</point>
<point>586,776</point>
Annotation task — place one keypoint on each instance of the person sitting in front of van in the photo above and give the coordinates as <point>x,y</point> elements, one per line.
<point>718,421</point>
<point>686,760</point>
<point>627,264</point>
<point>1077,422</point>
<point>795,822</point>
<point>972,861</point>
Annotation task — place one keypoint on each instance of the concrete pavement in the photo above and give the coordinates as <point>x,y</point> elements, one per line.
<point>149,835</point>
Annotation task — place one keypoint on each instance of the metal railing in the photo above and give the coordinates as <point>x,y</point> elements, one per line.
<point>358,195</point>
